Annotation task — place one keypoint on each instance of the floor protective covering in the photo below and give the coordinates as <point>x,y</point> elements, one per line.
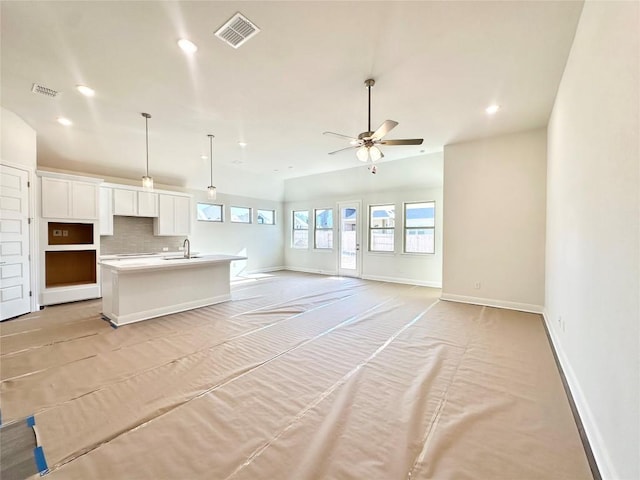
<point>298,377</point>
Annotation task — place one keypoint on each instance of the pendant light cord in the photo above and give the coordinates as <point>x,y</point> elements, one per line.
<point>369,125</point>
<point>211,155</point>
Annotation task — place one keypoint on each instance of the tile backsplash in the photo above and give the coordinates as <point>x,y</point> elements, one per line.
<point>135,235</point>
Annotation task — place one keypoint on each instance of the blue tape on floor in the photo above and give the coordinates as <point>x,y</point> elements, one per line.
<point>0,416</point>
<point>113,326</point>
<point>31,421</point>
<point>41,462</point>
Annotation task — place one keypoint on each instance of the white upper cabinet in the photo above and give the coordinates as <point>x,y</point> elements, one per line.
<point>65,197</point>
<point>174,215</point>
<point>135,203</point>
<point>106,211</point>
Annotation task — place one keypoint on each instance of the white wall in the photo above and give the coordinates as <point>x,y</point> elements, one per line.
<point>409,180</point>
<point>494,221</point>
<point>18,144</point>
<point>593,240</point>
<point>262,244</point>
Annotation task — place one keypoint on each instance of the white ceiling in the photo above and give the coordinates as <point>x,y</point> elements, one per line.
<point>437,65</point>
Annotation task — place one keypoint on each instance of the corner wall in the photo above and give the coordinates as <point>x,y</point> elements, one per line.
<point>593,231</point>
<point>494,221</point>
<point>18,141</point>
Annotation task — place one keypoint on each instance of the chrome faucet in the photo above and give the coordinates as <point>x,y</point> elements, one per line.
<point>187,252</point>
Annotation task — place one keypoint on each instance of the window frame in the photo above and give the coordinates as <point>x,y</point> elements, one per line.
<point>220,205</point>
<point>231,207</point>
<point>273,216</point>
<point>371,229</point>
<point>317,229</point>
<point>406,229</point>
<point>294,229</point>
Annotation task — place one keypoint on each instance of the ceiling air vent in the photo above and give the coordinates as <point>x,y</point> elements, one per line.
<point>237,30</point>
<point>42,90</point>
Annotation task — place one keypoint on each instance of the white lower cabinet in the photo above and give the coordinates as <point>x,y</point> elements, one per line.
<point>174,215</point>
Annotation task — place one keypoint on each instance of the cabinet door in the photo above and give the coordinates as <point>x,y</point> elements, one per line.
<point>106,211</point>
<point>165,223</point>
<point>125,202</point>
<point>56,198</point>
<point>147,204</point>
<point>84,200</point>
<point>182,215</point>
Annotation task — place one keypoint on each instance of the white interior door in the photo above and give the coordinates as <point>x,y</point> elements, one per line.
<point>14,242</point>
<point>350,255</point>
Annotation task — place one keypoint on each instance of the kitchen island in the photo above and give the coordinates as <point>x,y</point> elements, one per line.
<point>142,288</point>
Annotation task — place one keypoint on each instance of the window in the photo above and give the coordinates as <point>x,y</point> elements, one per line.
<point>208,212</point>
<point>300,237</point>
<point>240,215</point>
<point>419,227</point>
<point>381,228</point>
<point>324,228</point>
<point>266,217</point>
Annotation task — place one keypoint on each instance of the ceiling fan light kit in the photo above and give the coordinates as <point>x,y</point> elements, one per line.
<point>366,142</point>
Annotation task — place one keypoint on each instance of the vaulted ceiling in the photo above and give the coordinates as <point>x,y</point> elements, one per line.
<point>437,66</point>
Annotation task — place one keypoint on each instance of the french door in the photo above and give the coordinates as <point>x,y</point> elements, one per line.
<point>349,255</point>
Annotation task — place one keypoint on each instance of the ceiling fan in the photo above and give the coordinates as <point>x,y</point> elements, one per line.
<point>367,142</point>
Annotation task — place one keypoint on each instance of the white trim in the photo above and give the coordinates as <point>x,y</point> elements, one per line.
<point>311,270</point>
<point>598,446</point>
<point>407,281</point>
<point>262,270</point>
<point>119,320</point>
<point>67,176</point>
<point>34,305</point>
<point>490,302</point>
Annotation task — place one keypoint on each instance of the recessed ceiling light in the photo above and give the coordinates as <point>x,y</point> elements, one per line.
<point>491,109</point>
<point>203,157</point>
<point>64,121</point>
<point>187,46</point>
<point>243,144</point>
<point>86,91</point>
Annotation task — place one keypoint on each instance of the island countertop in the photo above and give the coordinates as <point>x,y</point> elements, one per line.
<point>123,265</point>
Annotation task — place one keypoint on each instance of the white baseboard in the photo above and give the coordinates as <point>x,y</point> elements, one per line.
<point>490,302</point>
<point>311,270</point>
<point>264,270</point>
<point>598,446</point>
<point>406,281</point>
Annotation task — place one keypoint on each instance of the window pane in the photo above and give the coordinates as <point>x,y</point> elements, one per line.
<point>209,212</point>
<point>382,216</point>
<point>240,214</point>
<point>420,214</point>
<point>301,239</point>
<point>420,240</point>
<point>300,235</point>
<point>324,218</point>
<point>324,238</point>
<point>300,220</point>
<point>266,217</point>
<point>382,240</point>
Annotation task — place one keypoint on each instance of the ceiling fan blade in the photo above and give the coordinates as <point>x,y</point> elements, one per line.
<point>383,129</point>
<point>345,148</point>
<point>339,135</point>
<point>406,141</point>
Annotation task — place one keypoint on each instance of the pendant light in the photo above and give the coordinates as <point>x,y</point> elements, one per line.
<point>147,181</point>
<point>211,190</point>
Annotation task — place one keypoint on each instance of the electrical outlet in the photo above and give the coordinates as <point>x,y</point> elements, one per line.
<point>57,233</point>
<point>65,233</point>
<point>181,248</point>
<point>476,285</point>
<point>165,249</point>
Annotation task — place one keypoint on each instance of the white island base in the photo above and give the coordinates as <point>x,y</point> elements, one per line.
<point>139,289</point>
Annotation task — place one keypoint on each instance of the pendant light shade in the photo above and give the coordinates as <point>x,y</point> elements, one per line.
<point>147,181</point>
<point>211,190</point>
